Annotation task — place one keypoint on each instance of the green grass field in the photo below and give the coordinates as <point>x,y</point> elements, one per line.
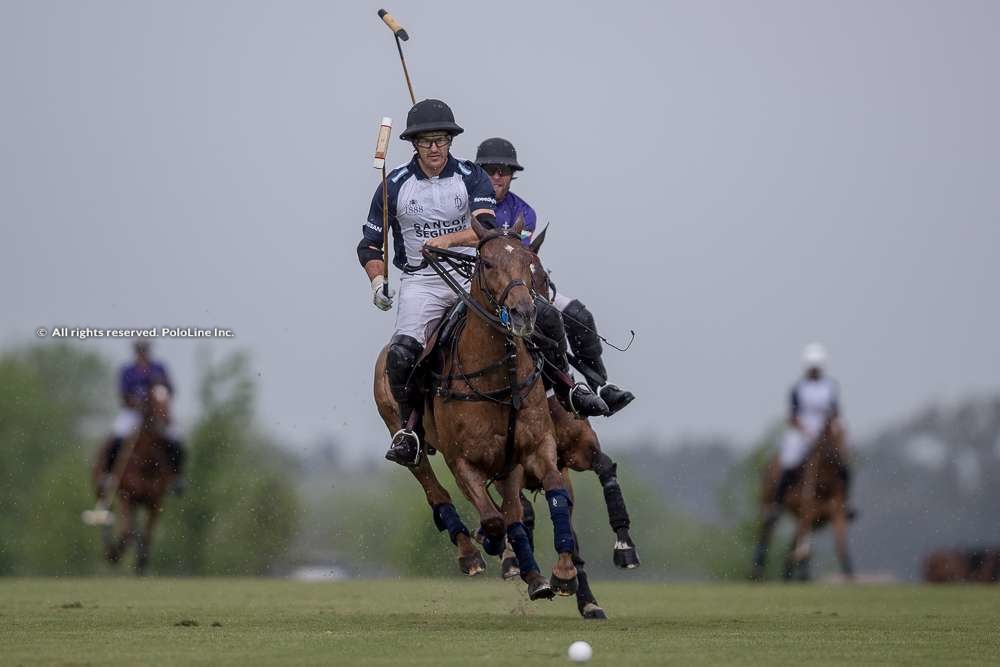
<point>487,622</point>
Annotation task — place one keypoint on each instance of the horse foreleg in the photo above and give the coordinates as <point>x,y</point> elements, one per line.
<point>840,540</point>
<point>114,553</point>
<point>144,540</point>
<point>586,603</point>
<point>767,523</point>
<point>797,563</point>
<point>518,537</point>
<point>491,522</point>
<point>446,518</point>
<point>560,505</point>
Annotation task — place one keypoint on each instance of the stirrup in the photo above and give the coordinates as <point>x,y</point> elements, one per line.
<point>600,406</point>
<point>405,448</point>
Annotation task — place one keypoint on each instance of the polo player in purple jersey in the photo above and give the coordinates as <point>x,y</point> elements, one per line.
<point>498,158</point>
<point>135,382</point>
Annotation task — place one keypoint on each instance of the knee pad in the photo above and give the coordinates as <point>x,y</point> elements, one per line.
<point>399,362</point>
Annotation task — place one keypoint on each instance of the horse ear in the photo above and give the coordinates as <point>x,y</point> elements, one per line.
<point>479,229</point>
<point>518,225</point>
<point>536,243</point>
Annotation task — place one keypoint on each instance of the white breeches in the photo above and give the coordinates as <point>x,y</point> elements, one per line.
<point>420,301</point>
<point>128,421</point>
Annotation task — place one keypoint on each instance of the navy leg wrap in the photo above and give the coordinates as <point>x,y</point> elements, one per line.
<point>518,536</point>
<point>493,545</point>
<point>446,518</point>
<point>560,507</point>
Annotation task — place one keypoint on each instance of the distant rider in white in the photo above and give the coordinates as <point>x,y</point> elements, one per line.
<point>814,401</point>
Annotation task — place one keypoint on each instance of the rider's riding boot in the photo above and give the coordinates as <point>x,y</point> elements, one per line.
<point>784,483</point>
<point>402,356</point>
<point>576,398</point>
<point>176,454</point>
<point>586,345</point>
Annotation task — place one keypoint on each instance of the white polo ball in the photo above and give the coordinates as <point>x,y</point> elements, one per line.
<point>580,652</point>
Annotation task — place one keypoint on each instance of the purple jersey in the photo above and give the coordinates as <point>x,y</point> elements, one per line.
<point>136,380</point>
<point>508,210</point>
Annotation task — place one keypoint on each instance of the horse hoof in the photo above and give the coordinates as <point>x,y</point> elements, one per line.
<point>472,565</point>
<point>509,569</point>
<point>591,611</point>
<point>625,556</point>
<point>540,590</point>
<point>564,587</point>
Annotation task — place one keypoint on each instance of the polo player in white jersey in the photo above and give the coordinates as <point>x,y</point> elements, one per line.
<point>432,200</point>
<point>814,401</point>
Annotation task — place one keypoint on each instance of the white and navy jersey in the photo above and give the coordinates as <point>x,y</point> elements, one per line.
<point>422,208</point>
<point>813,402</point>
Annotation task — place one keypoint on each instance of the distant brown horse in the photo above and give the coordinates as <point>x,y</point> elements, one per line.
<point>489,418</point>
<point>143,474</point>
<point>963,565</point>
<point>818,497</point>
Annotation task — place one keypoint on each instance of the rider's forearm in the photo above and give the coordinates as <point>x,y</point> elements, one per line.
<point>374,268</point>
<point>466,237</point>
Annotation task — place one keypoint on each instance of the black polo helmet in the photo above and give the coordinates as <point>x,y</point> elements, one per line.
<point>429,116</point>
<point>498,151</point>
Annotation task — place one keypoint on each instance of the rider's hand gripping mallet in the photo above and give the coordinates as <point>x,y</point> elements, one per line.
<point>400,34</point>
<point>381,150</point>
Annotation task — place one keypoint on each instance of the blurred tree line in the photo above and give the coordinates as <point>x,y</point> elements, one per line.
<point>240,512</point>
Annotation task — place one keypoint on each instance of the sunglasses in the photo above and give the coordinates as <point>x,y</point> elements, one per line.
<point>427,142</point>
<point>494,169</point>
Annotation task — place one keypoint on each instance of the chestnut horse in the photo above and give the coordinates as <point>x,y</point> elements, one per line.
<point>488,415</point>
<point>143,474</point>
<point>818,497</point>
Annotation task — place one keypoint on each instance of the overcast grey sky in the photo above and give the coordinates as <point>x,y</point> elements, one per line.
<point>730,179</point>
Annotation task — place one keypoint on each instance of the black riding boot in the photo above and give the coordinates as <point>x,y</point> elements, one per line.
<point>107,465</point>
<point>583,340</point>
<point>176,455</point>
<point>404,351</point>
<point>576,398</point>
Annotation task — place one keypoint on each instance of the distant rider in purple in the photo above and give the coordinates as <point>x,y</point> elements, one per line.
<point>135,382</point>
<point>498,158</point>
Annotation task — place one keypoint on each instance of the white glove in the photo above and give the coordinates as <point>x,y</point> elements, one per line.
<point>381,300</point>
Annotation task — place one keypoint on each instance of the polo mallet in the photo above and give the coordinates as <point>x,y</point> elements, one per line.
<point>381,150</point>
<point>102,515</point>
<point>401,36</point>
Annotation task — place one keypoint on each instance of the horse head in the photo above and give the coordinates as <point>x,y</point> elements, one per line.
<point>509,276</point>
<point>157,407</point>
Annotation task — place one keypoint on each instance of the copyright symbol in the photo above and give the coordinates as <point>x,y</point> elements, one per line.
<point>41,331</point>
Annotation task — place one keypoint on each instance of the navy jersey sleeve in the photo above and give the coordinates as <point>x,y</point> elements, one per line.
<point>372,229</point>
<point>479,187</point>
<point>793,402</point>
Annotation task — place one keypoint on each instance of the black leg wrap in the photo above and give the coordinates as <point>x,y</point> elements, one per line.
<point>581,331</point>
<point>607,472</point>
<point>528,511</point>
<point>844,473</point>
